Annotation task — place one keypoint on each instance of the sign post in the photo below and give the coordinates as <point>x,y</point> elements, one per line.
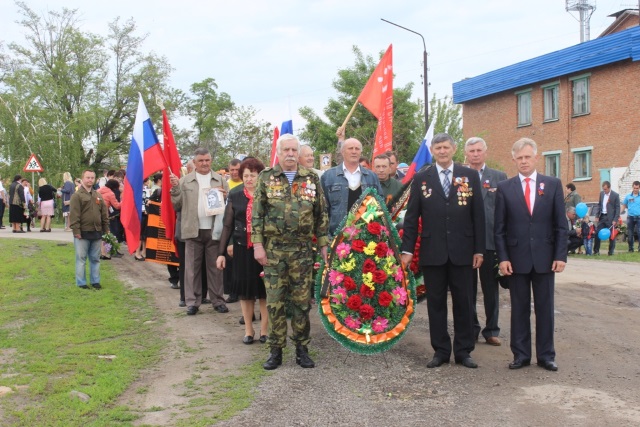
<point>33,165</point>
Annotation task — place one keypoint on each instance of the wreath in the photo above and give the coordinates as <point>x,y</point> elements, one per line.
<point>366,297</point>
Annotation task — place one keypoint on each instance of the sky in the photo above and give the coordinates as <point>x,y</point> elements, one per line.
<point>281,55</point>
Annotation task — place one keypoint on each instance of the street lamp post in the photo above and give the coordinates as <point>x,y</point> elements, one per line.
<point>425,79</point>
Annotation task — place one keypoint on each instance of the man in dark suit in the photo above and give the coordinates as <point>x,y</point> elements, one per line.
<point>607,215</point>
<point>448,199</point>
<point>475,150</point>
<point>531,242</point>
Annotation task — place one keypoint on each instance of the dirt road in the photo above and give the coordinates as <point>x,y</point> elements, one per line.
<point>597,344</point>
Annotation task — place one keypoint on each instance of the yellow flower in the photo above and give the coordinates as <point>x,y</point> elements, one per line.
<point>367,279</point>
<point>371,248</point>
<point>348,265</point>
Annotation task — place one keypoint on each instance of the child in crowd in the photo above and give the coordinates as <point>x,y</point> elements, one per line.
<point>588,231</point>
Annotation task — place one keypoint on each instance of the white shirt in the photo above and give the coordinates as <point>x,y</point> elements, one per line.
<point>605,200</point>
<point>441,175</point>
<point>532,187</point>
<point>204,222</point>
<point>353,178</point>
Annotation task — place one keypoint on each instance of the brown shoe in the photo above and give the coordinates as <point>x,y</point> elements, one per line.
<point>494,341</point>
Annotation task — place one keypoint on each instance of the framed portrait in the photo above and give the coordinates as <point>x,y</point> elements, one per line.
<point>213,201</point>
<point>325,161</point>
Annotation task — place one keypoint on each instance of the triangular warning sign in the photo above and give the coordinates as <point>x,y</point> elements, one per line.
<point>33,165</point>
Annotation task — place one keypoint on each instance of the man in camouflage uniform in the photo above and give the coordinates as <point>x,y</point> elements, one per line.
<point>288,210</point>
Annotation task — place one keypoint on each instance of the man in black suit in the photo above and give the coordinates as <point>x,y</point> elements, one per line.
<point>475,150</point>
<point>607,215</point>
<point>447,197</point>
<point>531,242</point>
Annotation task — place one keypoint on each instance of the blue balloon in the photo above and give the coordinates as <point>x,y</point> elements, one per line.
<point>581,210</point>
<point>604,234</point>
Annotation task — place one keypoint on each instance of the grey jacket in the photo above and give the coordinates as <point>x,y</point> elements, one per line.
<point>488,184</point>
<point>185,199</point>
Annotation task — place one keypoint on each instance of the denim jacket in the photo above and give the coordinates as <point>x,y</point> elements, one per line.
<point>336,191</point>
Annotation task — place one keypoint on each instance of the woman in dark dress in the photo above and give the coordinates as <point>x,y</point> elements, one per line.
<point>17,203</point>
<point>247,280</point>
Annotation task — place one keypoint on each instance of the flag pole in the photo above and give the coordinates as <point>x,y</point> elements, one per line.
<point>350,114</point>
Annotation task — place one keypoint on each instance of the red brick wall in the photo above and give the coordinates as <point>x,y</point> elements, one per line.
<point>612,127</point>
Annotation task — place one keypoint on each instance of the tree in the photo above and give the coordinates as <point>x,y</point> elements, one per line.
<point>408,128</point>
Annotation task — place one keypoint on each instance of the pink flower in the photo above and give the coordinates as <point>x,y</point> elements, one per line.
<point>352,323</point>
<point>401,295</point>
<point>343,250</point>
<point>384,230</point>
<point>399,274</point>
<point>350,232</point>
<point>379,324</point>
<point>339,295</point>
<point>335,277</point>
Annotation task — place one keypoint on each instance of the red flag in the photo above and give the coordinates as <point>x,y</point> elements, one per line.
<point>174,165</point>
<point>377,97</point>
<point>274,154</point>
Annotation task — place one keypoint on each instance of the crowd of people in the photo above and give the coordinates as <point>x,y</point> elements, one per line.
<point>260,244</point>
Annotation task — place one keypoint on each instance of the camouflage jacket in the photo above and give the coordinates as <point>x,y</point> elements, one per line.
<point>289,213</point>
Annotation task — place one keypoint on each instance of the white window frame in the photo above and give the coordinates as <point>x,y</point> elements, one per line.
<point>579,152</point>
<point>551,111</point>
<point>581,103</point>
<point>549,156</point>
<point>523,99</point>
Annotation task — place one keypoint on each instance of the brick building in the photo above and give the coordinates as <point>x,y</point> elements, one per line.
<point>580,104</point>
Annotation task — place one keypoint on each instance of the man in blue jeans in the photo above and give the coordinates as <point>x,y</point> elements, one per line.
<point>343,184</point>
<point>89,220</point>
<point>632,203</point>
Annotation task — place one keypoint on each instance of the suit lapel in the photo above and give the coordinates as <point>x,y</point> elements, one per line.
<point>541,182</point>
<point>516,186</point>
<point>486,176</point>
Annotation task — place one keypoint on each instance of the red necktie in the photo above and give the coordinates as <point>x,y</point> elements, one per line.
<point>527,193</point>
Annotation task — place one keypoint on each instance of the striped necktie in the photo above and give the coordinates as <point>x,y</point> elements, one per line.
<point>446,184</point>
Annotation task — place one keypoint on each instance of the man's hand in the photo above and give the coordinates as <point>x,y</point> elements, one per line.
<point>175,181</point>
<point>259,254</point>
<point>614,223</point>
<point>221,262</point>
<point>558,266</point>
<point>578,231</point>
<point>340,133</point>
<point>323,251</point>
<point>477,260</point>
<point>230,250</point>
<point>505,268</point>
<point>77,236</point>
<point>406,260</point>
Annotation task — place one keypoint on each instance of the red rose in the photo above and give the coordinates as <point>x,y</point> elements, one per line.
<point>354,302</point>
<point>381,249</point>
<point>385,298</point>
<point>348,283</point>
<point>379,276</point>
<point>358,245</point>
<point>366,292</point>
<point>374,228</point>
<point>366,311</point>
<point>369,266</point>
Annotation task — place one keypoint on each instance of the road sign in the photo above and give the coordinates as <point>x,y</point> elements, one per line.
<point>33,165</point>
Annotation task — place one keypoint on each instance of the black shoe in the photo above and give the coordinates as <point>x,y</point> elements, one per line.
<point>106,258</point>
<point>182,303</point>
<point>192,310</point>
<point>83,287</point>
<point>248,339</point>
<point>139,259</point>
<point>206,301</point>
<point>221,308</point>
<point>263,339</point>
<point>302,357</point>
<point>231,299</point>
<point>549,365</point>
<point>274,360</point>
<point>467,362</point>
<point>519,363</point>
<point>96,286</point>
<point>436,361</point>
<point>175,286</point>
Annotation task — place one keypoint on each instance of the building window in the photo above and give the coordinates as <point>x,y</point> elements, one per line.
<point>582,162</point>
<point>524,107</point>
<point>581,96</point>
<point>552,163</point>
<point>550,98</point>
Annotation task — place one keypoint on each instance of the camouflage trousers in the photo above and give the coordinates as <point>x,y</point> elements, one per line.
<point>288,276</point>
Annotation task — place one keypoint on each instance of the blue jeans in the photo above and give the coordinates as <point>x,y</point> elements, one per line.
<point>90,248</point>
<point>633,223</point>
<point>588,246</point>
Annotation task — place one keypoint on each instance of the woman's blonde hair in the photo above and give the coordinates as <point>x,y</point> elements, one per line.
<point>42,182</point>
<point>66,177</point>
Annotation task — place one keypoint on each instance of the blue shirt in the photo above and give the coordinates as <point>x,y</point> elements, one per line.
<point>632,202</point>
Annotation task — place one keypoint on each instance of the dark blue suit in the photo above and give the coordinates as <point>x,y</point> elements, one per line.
<point>453,230</point>
<point>531,242</point>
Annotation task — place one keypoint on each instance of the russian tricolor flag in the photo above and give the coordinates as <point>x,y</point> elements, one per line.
<point>145,158</point>
<point>287,127</point>
<point>423,157</point>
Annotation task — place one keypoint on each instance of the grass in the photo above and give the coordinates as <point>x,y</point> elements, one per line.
<point>51,334</point>
<point>620,254</point>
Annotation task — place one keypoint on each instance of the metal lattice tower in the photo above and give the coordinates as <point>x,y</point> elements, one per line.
<point>585,9</point>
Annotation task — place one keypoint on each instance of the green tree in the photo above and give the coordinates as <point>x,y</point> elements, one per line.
<point>408,127</point>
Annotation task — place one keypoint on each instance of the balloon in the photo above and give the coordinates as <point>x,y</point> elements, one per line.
<point>604,234</point>
<point>581,210</point>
